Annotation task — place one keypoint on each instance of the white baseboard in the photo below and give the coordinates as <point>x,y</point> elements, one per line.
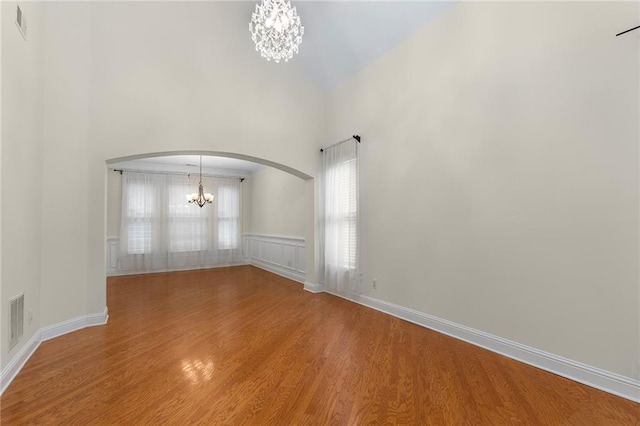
<point>616,384</point>
<point>279,270</point>
<point>313,288</point>
<point>20,359</point>
<point>73,324</point>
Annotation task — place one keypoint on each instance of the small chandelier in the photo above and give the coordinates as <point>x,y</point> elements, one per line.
<point>276,30</point>
<point>201,198</point>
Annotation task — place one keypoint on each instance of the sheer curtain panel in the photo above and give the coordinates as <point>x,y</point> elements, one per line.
<point>161,231</point>
<point>141,237</point>
<point>340,216</point>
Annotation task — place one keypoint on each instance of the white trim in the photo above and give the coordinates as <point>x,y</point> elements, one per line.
<point>313,288</point>
<point>292,275</point>
<point>616,384</point>
<point>275,238</point>
<point>74,324</point>
<point>20,359</point>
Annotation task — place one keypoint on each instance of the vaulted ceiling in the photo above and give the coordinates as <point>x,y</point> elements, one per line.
<point>341,37</point>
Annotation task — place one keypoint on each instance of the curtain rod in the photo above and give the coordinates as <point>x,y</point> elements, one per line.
<point>356,137</point>
<point>157,172</point>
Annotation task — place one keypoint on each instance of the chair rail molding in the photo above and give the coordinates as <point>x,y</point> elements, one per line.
<point>282,255</point>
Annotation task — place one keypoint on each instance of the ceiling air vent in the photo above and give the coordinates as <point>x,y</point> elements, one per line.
<point>17,320</point>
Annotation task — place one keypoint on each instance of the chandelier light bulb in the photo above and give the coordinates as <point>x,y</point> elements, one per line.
<point>276,30</point>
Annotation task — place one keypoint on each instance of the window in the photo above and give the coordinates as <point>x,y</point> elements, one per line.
<point>188,225</point>
<point>228,216</point>
<point>140,214</point>
<point>344,212</point>
<point>160,230</point>
<point>340,201</point>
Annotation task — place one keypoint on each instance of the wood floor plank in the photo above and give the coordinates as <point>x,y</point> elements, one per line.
<point>243,346</point>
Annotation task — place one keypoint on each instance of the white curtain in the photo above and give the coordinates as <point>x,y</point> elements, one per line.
<point>160,230</point>
<point>228,220</point>
<point>339,204</point>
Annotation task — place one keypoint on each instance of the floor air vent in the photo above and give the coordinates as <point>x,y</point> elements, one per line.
<point>17,320</point>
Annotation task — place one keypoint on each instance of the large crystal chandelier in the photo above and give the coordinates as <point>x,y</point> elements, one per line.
<point>276,30</point>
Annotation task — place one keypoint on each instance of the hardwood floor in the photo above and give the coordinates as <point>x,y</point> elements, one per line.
<point>243,346</point>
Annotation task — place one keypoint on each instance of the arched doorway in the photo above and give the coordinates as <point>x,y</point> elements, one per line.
<point>309,250</point>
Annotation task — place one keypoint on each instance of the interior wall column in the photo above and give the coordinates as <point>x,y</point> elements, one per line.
<point>312,250</point>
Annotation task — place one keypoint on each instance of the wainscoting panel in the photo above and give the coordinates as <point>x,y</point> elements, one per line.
<point>300,260</point>
<point>271,252</point>
<point>112,255</point>
<point>289,256</point>
<point>281,255</point>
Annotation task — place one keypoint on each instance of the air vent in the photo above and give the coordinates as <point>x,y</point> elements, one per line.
<point>17,320</point>
<point>21,22</point>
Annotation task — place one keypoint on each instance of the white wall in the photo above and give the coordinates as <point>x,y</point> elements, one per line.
<point>2,320</point>
<point>190,79</point>
<point>275,204</point>
<point>500,174</point>
<point>20,168</point>
<point>114,203</point>
<point>636,372</point>
<point>66,268</point>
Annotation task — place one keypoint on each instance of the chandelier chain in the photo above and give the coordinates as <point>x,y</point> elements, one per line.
<point>200,198</point>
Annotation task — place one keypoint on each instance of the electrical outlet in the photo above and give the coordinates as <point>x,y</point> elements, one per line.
<point>374,284</point>
<point>30,316</point>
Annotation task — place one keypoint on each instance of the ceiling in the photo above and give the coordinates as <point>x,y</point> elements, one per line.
<point>341,37</point>
<point>191,164</point>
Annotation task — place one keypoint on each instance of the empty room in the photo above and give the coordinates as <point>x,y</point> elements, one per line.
<point>320,212</point>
